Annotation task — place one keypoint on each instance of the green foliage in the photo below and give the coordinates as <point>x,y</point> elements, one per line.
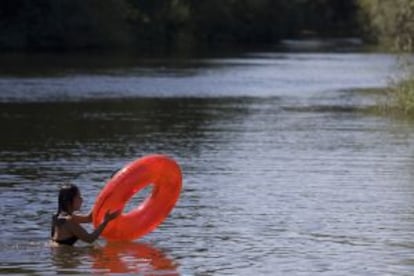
<point>404,96</point>
<point>73,24</point>
<point>330,17</point>
<point>61,24</point>
<point>399,97</point>
<point>390,22</point>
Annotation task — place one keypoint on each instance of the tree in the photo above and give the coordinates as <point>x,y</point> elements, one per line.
<point>390,22</point>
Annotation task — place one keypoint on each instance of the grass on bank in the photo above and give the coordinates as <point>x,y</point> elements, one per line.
<point>398,98</point>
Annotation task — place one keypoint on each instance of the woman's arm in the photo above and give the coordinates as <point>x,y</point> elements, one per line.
<point>82,218</point>
<point>83,235</point>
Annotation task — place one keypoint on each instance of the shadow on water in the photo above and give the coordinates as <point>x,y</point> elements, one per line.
<point>89,121</point>
<point>34,65</point>
<point>60,132</point>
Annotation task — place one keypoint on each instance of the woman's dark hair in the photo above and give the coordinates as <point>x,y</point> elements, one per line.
<point>66,195</point>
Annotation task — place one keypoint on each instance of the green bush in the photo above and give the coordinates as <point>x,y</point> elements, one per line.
<point>401,97</point>
<point>62,24</point>
<point>152,24</point>
<point>390,22</point>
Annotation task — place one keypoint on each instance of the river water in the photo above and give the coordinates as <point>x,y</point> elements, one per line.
<point>284,174</point>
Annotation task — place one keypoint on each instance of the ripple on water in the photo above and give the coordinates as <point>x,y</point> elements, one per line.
<point>291,180</point>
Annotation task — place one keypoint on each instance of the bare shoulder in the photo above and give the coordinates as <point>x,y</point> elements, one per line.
<point>70,220</point>
<point>82,218</point>
<point>62,220</point>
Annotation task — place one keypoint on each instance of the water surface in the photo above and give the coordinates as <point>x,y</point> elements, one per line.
<point>283,172</point>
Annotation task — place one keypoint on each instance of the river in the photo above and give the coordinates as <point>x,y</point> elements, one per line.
<point>283,171</point>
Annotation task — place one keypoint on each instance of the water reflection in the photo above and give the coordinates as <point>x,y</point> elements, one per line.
<point>130,257</point>
<point>68,258</point>
<point>60,141</point>
<point>120,257</point>
<point>255,75</point>
<point>277,180</point>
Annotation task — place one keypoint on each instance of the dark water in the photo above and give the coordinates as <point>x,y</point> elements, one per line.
<point>283,172</point>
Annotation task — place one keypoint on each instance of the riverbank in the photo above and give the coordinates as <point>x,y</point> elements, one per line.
<point>396,100</point>
<point>399,98</point>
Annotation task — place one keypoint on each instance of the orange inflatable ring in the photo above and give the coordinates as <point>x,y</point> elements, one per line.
<point>160,171</point>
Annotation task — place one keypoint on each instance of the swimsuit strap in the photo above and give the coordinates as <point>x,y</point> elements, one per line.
<point>56,221</point>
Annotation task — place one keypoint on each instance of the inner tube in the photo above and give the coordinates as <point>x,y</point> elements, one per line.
<point>158,170</point>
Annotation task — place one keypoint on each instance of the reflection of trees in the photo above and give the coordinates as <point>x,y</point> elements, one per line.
<point>112,127</point>
<point>56,141</point>
<point>129,257</point>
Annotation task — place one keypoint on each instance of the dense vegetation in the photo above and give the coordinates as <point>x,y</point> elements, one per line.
<point>391,23</point>
<point>158,24</point>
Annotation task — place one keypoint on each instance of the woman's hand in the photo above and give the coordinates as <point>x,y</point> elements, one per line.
<point>111,215</point>
<point>82,234</point>
<point>90,216</point>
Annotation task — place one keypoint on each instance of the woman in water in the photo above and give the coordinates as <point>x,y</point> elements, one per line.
<point>66,228</point>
